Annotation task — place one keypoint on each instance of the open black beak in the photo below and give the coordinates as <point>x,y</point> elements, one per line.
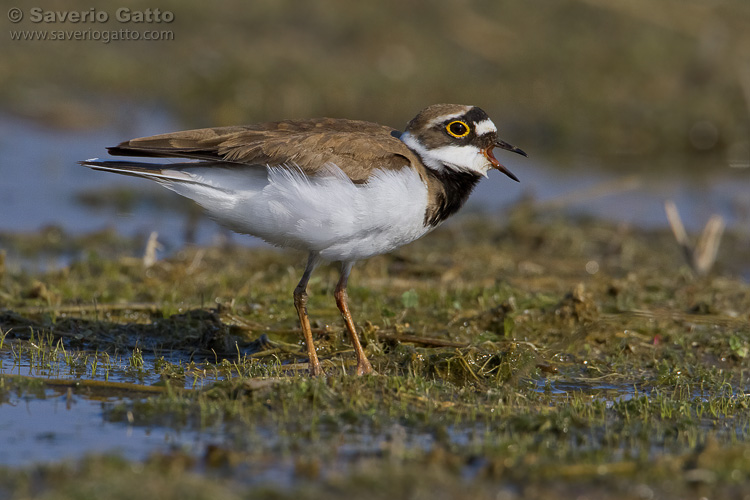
<point>496,164</point>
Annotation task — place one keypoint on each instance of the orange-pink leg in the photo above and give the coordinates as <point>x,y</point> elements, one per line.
<point>300,303</point>
<point>363,364</point>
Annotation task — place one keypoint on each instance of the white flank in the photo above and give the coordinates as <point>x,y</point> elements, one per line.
<point>327,213</point>
<point>465,157</point>
<point>485,127</point>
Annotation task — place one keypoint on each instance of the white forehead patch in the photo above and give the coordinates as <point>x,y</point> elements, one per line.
<point>485,127</point>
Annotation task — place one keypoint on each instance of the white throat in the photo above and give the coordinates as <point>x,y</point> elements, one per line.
<point>467,157</point>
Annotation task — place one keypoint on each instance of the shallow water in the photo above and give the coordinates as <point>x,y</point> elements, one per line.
<point>90,365</point>
<point>62,425</point>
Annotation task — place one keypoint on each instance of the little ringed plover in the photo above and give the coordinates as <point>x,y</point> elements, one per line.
<point>342,190</point>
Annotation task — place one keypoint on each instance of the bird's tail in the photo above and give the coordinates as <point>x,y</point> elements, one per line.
<point>159,172</point>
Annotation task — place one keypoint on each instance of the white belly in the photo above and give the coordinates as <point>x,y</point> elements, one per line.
<point>328,214</point>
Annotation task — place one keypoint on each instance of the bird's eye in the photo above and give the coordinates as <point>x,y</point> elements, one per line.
<point>458,128</point>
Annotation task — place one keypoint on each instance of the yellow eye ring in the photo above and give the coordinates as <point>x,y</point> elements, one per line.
<point>458,129</point>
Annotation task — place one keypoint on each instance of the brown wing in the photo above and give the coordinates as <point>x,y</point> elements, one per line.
<point>354,146</point>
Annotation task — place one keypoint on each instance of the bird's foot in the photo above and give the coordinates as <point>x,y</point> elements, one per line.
<point>315,369</point>
<point>364,367</point>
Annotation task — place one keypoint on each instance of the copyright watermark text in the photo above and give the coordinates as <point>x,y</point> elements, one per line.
<point>91,25</point>
<point>92,15</point>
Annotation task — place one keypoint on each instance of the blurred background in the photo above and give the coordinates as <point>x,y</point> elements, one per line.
<point>620,105</point>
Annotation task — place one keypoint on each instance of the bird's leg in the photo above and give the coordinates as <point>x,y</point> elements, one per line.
<point>300,303</point>
<point>363,365</point>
